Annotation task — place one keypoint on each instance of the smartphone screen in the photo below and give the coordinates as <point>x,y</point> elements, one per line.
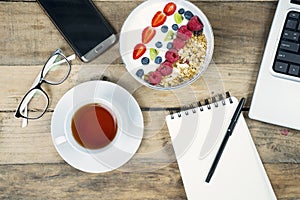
<point>80,22</point>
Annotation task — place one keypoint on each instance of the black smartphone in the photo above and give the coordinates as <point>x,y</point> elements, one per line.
<point>82,25</point>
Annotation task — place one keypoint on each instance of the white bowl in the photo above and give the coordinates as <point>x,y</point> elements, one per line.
<point>139,19</point>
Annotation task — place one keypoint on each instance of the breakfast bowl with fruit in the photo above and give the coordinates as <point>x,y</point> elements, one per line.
<point>166,44</point>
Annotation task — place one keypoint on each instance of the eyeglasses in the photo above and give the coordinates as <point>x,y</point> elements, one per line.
<point>36,101</point>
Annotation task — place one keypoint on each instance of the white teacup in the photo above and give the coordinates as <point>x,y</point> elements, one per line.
<point>69,135</point>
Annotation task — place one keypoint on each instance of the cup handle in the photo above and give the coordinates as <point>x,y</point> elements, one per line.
<point>60,140</point>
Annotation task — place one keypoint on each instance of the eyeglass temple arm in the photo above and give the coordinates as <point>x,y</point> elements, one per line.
<point>49,66</point>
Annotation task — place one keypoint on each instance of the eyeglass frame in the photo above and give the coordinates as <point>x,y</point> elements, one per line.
<point>39,84</point>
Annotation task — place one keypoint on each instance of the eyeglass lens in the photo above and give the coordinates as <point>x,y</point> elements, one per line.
<point>56,69</point>
<point>36,101</point>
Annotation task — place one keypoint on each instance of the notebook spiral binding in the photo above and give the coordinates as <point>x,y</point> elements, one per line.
<point>191,109</point>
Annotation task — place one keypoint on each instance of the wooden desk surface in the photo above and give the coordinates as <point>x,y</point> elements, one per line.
<point>30,167</point>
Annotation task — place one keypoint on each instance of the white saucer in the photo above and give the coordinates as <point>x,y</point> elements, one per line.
<point>127,140</point>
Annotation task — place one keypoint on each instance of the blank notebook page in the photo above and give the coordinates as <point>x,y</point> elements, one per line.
<point>196,136</point>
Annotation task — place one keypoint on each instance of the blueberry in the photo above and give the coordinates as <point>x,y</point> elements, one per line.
<point>158,44</point>
<point>145,61</point>
<point>181,11</point>
<point>158,60</point>
<point>170,45</point>
<point>188,15</point>
<point>175,27</point>
<point>140,73</point>
<point>164,29</point>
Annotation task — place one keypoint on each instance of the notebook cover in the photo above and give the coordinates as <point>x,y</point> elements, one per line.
<point>240,173</point>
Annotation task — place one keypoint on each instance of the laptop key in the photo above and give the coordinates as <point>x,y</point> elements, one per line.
<point>281,67</point>
<point>294,70</point>
<point>288,57</point>
<point>291,35</point>
<point>294,15</point>
<point>291,24</point>
<point>289,46</point>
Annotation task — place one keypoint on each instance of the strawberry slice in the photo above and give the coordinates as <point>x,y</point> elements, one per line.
<point>148,34</point>
<point>138,51</point>
<point>159,19</point>
<point>170,8</point>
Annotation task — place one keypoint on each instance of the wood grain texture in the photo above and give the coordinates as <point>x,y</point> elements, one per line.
<point>194,1</point>
<point>64,182</point>
<point>28,36</point>
<point>61,181</point>
<point>215,80</point>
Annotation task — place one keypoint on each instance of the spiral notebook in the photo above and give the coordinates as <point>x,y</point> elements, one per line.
<point>196,135</point>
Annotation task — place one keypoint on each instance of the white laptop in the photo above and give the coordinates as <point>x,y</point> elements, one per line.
<point>276,97</point>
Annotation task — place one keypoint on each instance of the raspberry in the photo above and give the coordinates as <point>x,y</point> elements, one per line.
<point>166,63</point>
<point>178,43</point>
<point>165,68</point>
<point>155,78</point>
<point>172,56</point>
<point>195,24</point>
<point>184,33</point>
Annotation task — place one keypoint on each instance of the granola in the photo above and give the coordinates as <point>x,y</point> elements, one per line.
<point>191,59</point>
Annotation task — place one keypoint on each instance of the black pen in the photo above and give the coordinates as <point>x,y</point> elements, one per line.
<point>227,135</point>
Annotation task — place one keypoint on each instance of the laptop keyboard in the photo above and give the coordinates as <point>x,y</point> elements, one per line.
<point>287,59</point>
